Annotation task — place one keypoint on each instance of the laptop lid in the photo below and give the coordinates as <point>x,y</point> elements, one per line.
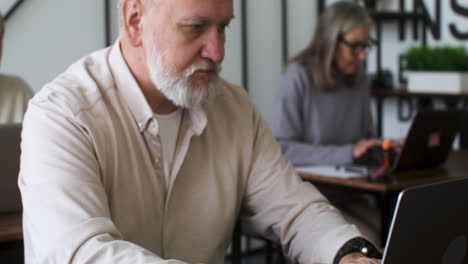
<point>429,140</point>
<point>430,225</point>
<point>10,139</point>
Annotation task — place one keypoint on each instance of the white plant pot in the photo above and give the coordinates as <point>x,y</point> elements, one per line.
<point>437,82</point>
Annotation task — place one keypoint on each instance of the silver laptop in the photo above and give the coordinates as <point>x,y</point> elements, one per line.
<point>430,225</point>
<point>10,139</point>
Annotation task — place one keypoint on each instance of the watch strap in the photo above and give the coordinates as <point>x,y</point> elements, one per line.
<point>357,244</point>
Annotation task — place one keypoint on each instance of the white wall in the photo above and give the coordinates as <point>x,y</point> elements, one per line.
<point>264,51</point>
<point>301,22</point>
<point>44,37</point>
<point>232,66</point>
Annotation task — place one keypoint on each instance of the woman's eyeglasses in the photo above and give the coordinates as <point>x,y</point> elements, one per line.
<point>358,46</point>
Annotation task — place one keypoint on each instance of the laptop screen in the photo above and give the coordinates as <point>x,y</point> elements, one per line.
<point>427,145</point>
<point>430,225</point>
<point>429,140</point>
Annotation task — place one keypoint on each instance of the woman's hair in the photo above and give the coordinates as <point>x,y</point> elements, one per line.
<point>337,19</point>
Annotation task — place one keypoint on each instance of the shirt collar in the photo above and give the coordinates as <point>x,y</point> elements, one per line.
<point>198,120</point>
<point>136,101</point>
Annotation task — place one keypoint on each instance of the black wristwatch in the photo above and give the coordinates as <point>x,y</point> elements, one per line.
<point>357,244</point>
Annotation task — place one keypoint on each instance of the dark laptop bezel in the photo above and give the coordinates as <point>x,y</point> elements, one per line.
<point>427,220</point>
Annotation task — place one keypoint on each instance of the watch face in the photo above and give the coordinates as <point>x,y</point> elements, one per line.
<point>365,250</point>
<point>358,244</point>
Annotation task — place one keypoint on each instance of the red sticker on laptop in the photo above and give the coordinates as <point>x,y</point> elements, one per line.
<point>434,140</point>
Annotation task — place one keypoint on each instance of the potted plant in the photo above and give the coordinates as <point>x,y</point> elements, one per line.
<point>442,69</point>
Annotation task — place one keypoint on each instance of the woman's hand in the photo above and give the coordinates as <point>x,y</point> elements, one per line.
<point>397,144</point>
<point>361,147</point>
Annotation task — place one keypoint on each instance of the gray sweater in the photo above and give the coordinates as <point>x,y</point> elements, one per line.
<point>318,128</point>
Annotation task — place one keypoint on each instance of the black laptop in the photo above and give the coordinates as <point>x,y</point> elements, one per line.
<point>427,145</point>
<point>429,141</point>
<point>430,225</point>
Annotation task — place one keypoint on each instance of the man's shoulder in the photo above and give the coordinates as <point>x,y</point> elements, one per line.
<point>232,104</point>
<point>81,86</point>
<point>233,95</point>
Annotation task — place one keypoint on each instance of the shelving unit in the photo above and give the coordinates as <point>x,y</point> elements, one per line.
<point>400,94</point>
<point>400,17</point>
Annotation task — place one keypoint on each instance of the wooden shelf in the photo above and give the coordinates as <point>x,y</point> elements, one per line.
<point>382,16</point>
<point>403,92</point>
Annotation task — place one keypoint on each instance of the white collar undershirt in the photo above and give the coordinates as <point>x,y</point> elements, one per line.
<point>169,125</point>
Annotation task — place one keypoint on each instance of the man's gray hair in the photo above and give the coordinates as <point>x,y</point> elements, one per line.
<point>337,19</point>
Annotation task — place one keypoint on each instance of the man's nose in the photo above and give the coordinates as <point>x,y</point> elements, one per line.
<point>213,47</point>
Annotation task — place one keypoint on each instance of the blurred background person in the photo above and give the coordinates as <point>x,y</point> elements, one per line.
<point>14,91</point>
<point>322,116</point>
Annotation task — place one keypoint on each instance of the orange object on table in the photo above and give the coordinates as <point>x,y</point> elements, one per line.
<point>386,148</point>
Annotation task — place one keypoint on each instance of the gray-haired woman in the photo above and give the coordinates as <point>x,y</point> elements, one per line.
<point>323,113</point>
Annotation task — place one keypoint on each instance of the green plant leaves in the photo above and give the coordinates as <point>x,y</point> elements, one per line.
<point>440,58</point>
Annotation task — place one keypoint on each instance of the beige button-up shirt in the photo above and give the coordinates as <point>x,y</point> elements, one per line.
<point>94,192</point>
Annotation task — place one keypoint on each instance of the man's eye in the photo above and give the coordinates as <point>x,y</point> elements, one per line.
<point>222,28</point>
<point>196,28</point>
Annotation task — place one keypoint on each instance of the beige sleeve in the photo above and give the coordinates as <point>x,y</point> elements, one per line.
<point>283,208</point>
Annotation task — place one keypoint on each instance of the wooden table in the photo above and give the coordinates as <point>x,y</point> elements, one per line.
<point>386,192</point>
<point>11,228</point>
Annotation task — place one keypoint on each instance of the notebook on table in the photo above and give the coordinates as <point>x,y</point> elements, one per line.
<point>430,225</point>
<point>10,139</point>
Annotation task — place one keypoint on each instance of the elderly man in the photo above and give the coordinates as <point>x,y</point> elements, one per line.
<point>140,153</point>
<point>14,91</point>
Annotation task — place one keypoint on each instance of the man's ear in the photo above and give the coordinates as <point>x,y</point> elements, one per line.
<point>132,14</point>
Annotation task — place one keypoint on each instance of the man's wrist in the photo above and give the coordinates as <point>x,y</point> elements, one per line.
<point>351,257</point>
<point>357,245</point>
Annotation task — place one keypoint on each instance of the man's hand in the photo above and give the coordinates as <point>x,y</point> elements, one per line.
<point>358,258</point>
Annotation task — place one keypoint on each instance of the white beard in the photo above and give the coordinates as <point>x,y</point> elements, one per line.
<point>178,89</point>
